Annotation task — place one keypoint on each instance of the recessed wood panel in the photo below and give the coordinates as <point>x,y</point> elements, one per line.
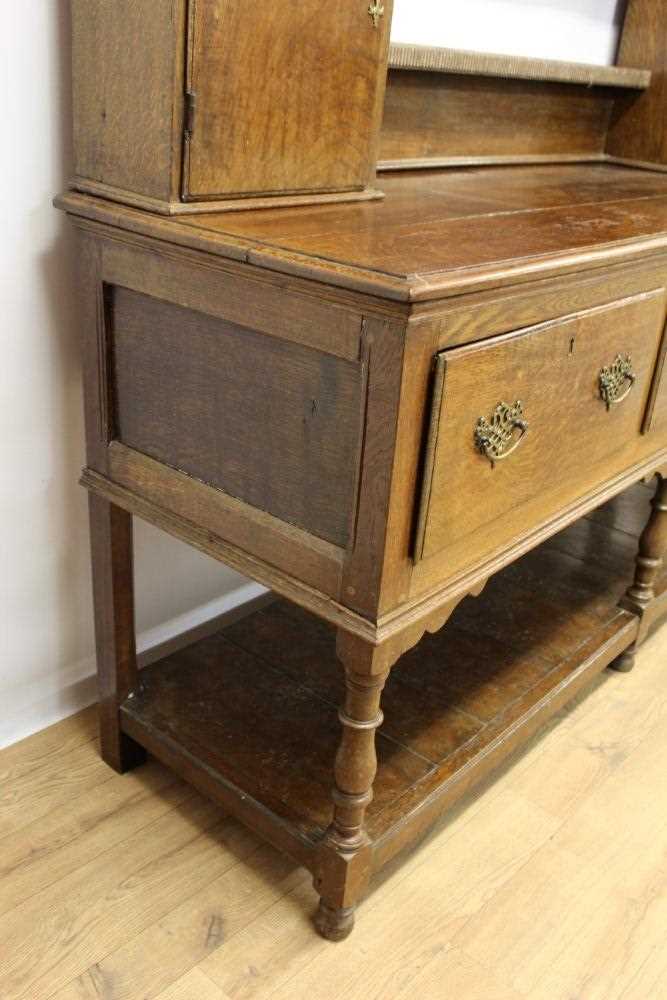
<point>433,116</point>
<point>269,422</point>
<point>287,99</point>
<point>572,442</point>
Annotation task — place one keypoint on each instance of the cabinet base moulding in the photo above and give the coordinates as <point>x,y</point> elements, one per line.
<point>195,207</point>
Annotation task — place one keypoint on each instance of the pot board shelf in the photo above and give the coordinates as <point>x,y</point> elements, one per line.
<point>249,715</point>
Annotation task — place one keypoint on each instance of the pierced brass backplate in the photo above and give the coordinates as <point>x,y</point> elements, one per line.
<point>496,438</point>
<point>616,381</point>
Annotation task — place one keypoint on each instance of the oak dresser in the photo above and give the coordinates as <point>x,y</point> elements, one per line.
<point>442,408</point>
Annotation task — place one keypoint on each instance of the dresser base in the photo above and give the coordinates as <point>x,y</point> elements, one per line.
<point>249,715</point>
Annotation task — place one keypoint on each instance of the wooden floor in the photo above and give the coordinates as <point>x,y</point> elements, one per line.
<point>551,883</point>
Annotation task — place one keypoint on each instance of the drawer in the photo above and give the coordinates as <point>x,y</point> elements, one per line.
<point>656,416</point>
<point>524,425</point>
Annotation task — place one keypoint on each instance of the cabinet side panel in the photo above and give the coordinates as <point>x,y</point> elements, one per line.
<point>127,74</point>
<point>272,423</point>
<point>638,128</point>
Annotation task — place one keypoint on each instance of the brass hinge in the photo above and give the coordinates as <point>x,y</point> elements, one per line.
<point>189,114</point>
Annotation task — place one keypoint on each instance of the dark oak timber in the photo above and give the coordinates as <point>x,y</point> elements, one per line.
<point>643,597</point>
<point>478,228</point>
<point>113,591</point>
<point>251,714</point>
<point>181,107</point>
<point>291,415</point>
<point>428,424</point>
<point>298,394</point>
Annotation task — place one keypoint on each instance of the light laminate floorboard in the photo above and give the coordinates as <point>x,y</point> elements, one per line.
<point>549,884</point>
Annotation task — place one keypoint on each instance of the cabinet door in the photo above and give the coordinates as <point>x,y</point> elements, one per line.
<point>288,96</point>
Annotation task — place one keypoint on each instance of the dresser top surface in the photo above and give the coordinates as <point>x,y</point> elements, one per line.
<point>437,232</point>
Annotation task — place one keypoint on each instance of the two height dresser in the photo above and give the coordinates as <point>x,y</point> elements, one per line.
<point>434,425</point>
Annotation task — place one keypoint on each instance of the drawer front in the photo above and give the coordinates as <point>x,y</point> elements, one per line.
<point>526,424</point>
<point>656,417</point>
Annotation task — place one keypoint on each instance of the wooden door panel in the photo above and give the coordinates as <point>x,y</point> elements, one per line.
<point>285,102</point>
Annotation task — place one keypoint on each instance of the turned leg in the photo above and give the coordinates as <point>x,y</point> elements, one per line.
<point>641,595</point>
<point>113,592</point>
<point>346,865</point>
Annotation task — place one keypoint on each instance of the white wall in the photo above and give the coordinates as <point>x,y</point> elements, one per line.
<point>46,641</point>
<point>576,30</point>
<point>46,636</point>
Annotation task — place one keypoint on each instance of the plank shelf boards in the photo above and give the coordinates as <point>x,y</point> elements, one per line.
<point>468,63</point>
<point>249,715</point>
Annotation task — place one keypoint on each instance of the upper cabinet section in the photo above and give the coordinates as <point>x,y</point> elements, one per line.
<point>202,105</point>
<point>297,87</point>
<point>128,88</point>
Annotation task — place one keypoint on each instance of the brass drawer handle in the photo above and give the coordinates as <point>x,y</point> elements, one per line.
<point>616,381</point>
<point>494,437</point>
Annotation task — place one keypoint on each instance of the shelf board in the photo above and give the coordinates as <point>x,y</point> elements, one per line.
<point>460,61</point>
<point>249,715</point>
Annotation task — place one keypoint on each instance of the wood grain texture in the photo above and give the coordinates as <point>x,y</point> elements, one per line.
<point>194,985</point>
<point>182,847</point>
<point>236,558</point>
<point>305,82</point>
<point>235,722</point>
<point>286,72</point>
<point>642,595</point>
<point>127,105</point>
<point>294,314</point>
<point>569,429</point>
<point>459,61</point>
<point>293,779</point>
<point>383,361</point>
<point>86,822</point>
<point>115,634</point>
<point>319,564</point>
<point>392,601</point>
<point>238,204</point>
<point>438,118</point>
<point>477,228</point>
<point>656,413</point>
<point>637,130</point>
<point>273,424</point>
<point>199,923</point>
<point>248,930</point>
<point>471,317</point>
<point>441,736</point>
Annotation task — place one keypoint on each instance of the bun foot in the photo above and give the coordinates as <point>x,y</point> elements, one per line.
<point>624,663</point>
<point>333,924</point>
